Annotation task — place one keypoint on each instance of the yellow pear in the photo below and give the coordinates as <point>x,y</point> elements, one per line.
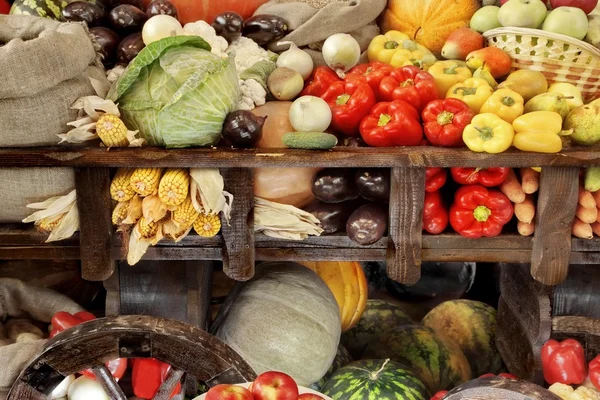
<point>525,82</point>
<point>568,90</point>
<point>555,102</point>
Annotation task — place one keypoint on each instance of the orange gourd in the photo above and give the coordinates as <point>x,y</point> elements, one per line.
<point>207,10</point>
<point>428,22</point>
<point>348,283</point>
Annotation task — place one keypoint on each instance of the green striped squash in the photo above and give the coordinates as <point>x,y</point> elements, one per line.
<point>472,325</point>
<point>375,380</point>
<point>40,8</point>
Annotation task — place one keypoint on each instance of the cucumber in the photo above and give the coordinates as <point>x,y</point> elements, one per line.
<point>309,140</point>
<point>592,179</point>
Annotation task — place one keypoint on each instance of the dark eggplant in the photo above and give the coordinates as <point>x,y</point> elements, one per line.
<point>108,41</point>
<point>127,18</point>
<point>265,28</point>
<point>243,129</point>
<point>161,7</point>
<point>373,184</point>
<point>136,3</point>
<point>367,224</point>
<point>228,25</point>
<point>334,185</point>
<point>84,11</point>
<point>333,216</point>
<point>130,47</point>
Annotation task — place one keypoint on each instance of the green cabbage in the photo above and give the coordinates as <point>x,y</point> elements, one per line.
<point>177,93</point>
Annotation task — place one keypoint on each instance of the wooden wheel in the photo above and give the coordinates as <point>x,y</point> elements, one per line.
<point>89,345</point>
<point>500,388</point>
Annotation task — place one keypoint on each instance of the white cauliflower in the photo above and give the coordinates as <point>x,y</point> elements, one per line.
<point>113,74</point>
<point>217,43</point>
<point>247,53</point>
<point>252,95</point>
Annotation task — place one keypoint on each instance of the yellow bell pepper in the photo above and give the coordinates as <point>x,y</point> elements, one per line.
<point>505,103</point>
<point>538,132</point>
<point>473,91</point>
<point>448,74</point>
<point>397,49</point>
<point>488,133</point>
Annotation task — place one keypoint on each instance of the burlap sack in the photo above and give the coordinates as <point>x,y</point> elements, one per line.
<point>18,299</point>
<point>311,25</point>
<point>45,66</point>
<point>22,186</point>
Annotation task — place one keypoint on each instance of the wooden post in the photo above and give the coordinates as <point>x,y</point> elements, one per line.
<point>557,203</point>
<point>238,234</point>
<point>95,226</point>
<point>407,195</point>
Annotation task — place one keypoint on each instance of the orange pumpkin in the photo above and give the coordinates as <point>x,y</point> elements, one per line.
<point>207,10</point>
<point>348,283</point>
<point>428,22</point>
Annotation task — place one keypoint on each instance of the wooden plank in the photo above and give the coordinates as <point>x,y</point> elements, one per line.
<point>555,212</point>
<point>405,224</point>
<point>199,282</point>
<point>576,324</point>
<point>95,227</point>
<point>39,253</point>
<point>256,158</point>
<point>238,233</point>
<point>499,388</point>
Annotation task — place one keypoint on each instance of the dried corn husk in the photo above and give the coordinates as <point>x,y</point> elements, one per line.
<point>56,206</point>
<point>91,108</point>
<point>173,231</point>
<point>135,211</point>
<point>138,245</point>
<point>208,194</point>
<point>154,209</point>
<point>284,221</point>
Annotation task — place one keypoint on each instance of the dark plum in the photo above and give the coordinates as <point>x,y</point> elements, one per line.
<point>243,129</point>
<point>265,28</point>
<point>130,47</point>
<point>108,41</point>
<point>374,184</point>
<point>334,185</point>
<point>228,25</point>
<point>333,216</point>
<point>367,224</point>
<point>84,11</point>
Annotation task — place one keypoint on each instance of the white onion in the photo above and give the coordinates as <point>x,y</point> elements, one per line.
<point>341,52</point>
<point>62,389</point>
<point>310,114</point>
<point>160,27</point>
<point>296,59</point>
<point>85,388</point>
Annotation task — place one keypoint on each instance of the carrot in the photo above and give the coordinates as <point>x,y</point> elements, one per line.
<point>586,199</point>
<point>525,211</point>
<point>587,215</point>
<point>582,230</point>
<point>596,196</point>
<point>596,228</point>
<point>512,188</point>
<point>530,180</point>
<point>525,229</point>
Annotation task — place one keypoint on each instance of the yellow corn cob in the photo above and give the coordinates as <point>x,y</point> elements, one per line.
<point>144,181</point>
<point>112,131</point>
<point>174,186</point>
<point>207,225</point>
<point>120,188</point>
<point>185,214</point>
<point>147,228</point>
<point>49,223</point>
<point>120,213</point>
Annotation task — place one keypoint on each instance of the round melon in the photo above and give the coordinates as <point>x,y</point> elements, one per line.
<point>375,380</point>
<point>428,22</point>
<point>342,358</point>
<point>379,318</point>
<point>472,325</point>
<point>284,319</point>
<point>438,362</point>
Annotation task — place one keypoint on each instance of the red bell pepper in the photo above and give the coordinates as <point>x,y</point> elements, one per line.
<point>488,177</point>
<point>445,120</point>
<point>4,6</point>
<point>563,362</point>
<point>62,321</point>
<point>435,214</point>
<point>147,375</point>
<point>320,80</point>
<point>594,367</point>
<point>392,124</point>
<point>350,102</point>
<point>439,395</point>
<point>478,211</point>
<point>507,376</point>
<point>435,178</point>
<point>371,73</point>
<point>410,84</point>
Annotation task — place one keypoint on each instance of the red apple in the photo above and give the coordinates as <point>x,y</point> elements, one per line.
<point>310,396</point>
<point>586,5</point>
<point>274,385</point>
<point>502,2</point>
<point>229,392</point>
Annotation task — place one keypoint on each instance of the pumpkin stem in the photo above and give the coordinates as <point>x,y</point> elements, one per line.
<point>375,375</point>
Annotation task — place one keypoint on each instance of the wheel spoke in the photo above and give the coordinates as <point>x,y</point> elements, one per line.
<point>108,382</point>
<point>165,390</point>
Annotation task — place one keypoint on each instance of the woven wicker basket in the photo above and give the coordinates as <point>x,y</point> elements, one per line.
<point>560,58</point>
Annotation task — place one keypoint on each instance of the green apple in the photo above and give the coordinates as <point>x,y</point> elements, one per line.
<point>485,19</point>
<point>523,13</point>
<point>570,21</point>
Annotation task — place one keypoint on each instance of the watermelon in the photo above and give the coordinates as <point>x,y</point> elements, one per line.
<point>438,362</point>
<point>379,318</point>
<point>341,359</point>
<point>375,380</point>
<point>472,325</point>
<point>39,8</point>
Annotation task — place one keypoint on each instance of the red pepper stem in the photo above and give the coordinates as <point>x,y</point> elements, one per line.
<point>473,173</point>
<point>384,119</point>
<point>482,213</point>
<point>391,45</point>
<point>445,118</point>
<point>408,82</point>
<point>342,99</point>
